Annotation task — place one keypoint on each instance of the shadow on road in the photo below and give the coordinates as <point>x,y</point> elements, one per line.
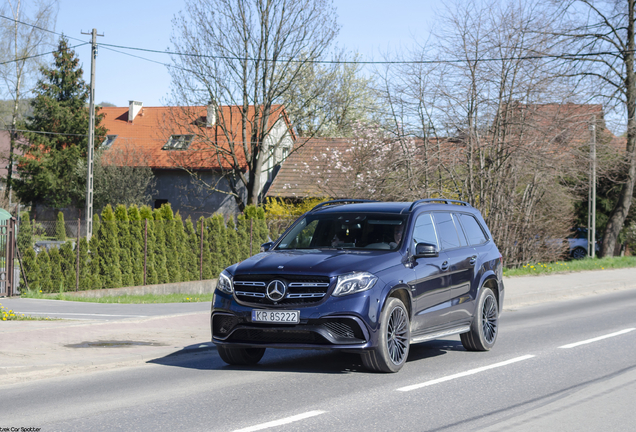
<point>205,357</point>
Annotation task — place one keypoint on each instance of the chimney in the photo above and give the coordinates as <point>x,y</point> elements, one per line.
<point>133,109</point>
<point>212,113</point>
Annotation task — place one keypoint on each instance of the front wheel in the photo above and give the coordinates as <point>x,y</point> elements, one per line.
<point>240,356</point>
<point>485,326</point>
<point>579,253</point>
<point>394,341</point>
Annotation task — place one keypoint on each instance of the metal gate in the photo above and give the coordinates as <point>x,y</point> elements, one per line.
<point>7,255</point>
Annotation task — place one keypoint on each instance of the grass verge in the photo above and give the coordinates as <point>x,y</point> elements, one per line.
<point>572,266</point>
<point>127,299</point>
<point>10,315</point>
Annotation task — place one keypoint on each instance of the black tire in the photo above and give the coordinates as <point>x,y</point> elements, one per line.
<point>240,356</point>
<point>485,326</point>
<point>394,341</point>
<point>579,253</point>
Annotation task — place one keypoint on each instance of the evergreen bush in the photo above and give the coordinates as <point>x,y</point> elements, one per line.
<point>25,234</point>
<point>125,245</point>
<point>137,244</point>
<point>151,271</point>
<point>172,251</point>
<point>60,228</point>
<point>192,250</point>
<point>43,263</point>
<point>58,281</point>
<point>85,280</point>
<point>160,247</point>
<point>68,263</point>
<point>30,269</point>
<point>108,250</point>
<point>232,242</point>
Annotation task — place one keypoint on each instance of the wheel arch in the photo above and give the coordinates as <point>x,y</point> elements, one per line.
<point>489,280</point>
<point>403,293</point>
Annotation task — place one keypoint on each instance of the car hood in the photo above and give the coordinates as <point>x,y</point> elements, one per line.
<point>318,262</point>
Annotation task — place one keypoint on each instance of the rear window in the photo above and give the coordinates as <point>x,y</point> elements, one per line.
<point>475,234</point>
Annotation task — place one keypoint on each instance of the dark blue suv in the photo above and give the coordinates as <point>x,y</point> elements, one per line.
<point>367,277</point>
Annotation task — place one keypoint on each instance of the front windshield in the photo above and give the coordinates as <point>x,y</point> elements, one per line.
<point>346,230</point>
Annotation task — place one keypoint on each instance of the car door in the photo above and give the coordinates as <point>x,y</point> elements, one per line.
<point>461,262</point>
<point>430,289</point>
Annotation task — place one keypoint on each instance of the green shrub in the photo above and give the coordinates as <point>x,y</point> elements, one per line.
<point>108,250</point>
<point>171,250</point>
<point>25,234</point>
<point>58,281</point>
<point>137,244</point>
<point>125,246</point>
<point>68,264</point>
<point>192,250</point>
<point>232,243</point>
<point>43,263</point>
<point>85,280</point>
<point>160,248</point>
<point>60,227</point>
<point>30,269</point>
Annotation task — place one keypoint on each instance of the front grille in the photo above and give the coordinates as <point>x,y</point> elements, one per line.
<point>301,289</point>
<point>277,336</point>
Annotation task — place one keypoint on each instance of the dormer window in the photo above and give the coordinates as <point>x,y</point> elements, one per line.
<point>110,139</point>
<point>178,142</point>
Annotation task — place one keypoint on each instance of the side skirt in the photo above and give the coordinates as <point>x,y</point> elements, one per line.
<point>440,334</point>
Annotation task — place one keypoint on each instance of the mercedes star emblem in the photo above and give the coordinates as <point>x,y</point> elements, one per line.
<point>276,290</point>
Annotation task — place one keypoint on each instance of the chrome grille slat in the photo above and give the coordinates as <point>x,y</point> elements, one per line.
<point>301,289</point>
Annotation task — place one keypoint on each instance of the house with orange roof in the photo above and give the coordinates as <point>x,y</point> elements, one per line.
<point>194,151</point>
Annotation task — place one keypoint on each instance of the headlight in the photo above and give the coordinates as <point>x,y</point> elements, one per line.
<point>354,282</point>
<point>225,282</point>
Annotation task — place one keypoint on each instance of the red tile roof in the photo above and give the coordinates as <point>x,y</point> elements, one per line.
<point>153,126</point>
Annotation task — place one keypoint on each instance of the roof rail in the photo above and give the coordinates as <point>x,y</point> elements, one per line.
<point>341,201</point>
<point>438,200</point>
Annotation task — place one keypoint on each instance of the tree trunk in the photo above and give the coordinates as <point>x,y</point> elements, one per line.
<point>619,213</point>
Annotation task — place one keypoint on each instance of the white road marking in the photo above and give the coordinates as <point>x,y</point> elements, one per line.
<point>281,421</point>
<point>463,374</point>
<point>618,333</point>
<point>81,314</point>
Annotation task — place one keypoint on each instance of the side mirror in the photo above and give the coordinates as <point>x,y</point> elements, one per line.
<point>426,250</point>
<point>266,246</point>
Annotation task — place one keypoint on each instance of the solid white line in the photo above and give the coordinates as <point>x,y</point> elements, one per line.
<point>463,374</point>
<point>81,314</point>
<point>618,333</point>
<point>281,421</point>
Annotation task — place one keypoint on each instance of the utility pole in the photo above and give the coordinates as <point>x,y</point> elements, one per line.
<point>591,201</point>
<point>91,139</point>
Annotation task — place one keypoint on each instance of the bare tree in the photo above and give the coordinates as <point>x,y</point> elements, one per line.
<point>27,37</point>
<point>244,54</point>
<point>599,35</point>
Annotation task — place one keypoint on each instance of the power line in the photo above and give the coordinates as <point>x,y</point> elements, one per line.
<point>39,55</point>
<point>41,28</point>
<point>570,56</point>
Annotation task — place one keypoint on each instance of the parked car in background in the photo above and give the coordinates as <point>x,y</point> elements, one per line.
<point>578,243</point>
<point>366,277</point>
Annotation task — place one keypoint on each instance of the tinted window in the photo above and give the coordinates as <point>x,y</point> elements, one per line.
<point>424,231</point>
<point>460,231</point>
<point>473,230</point>
<point>446,230</point>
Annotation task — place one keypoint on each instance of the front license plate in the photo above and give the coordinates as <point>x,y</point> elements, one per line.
<point>276,316</point>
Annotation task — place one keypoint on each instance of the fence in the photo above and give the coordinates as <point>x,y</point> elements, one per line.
<point>141,252</point>
<point>7,253</point>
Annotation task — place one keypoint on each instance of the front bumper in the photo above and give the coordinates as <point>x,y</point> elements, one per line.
<point>338,323</point>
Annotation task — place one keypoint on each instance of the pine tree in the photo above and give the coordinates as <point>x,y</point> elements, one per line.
<point>25,234</point>
<point>137,244</point>
<point>108,250</point>
<point>48,170</point>
<point>43,263</point>
<point>57,278</point>
<point>125,245</point>
<point>151,270</point>
<point>60,227</point>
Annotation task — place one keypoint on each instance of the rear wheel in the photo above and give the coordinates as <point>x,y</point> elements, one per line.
<point>395,337</point>
<point>240,356</point>
<point>579,253</point>
<point>485,325</point>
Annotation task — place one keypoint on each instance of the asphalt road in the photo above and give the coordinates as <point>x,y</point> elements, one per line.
<point>567,366</point>
<point>77,310</point>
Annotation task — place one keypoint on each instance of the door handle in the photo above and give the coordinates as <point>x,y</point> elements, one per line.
<point>444,266</point>
<point>473,259</point>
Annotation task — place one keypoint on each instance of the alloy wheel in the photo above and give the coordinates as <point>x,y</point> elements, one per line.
<point>489,319</point>
<point>397,331</point>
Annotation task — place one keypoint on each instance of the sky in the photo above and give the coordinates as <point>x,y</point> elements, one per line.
<point>369,27</point>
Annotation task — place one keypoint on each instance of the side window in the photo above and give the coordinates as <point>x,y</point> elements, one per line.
<point>473,230</point>
<point>447,231</point>
<point>424,231</point>
<point>460,231</point>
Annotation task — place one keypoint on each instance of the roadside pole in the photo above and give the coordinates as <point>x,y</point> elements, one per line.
<point>591,201</point>
<point>91,139</point>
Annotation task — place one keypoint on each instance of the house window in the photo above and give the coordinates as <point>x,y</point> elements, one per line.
<point>178,142</point>
<point>110,139</point>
